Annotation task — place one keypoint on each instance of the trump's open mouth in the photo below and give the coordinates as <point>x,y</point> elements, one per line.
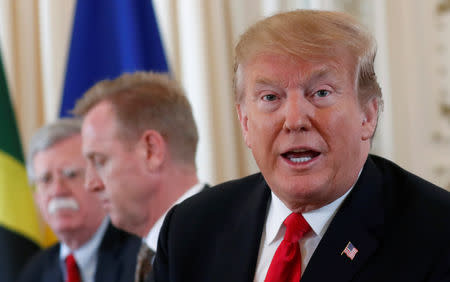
<point>300,155</point>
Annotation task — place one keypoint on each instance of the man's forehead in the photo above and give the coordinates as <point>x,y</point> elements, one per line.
<point>100,113</point>
<point>99,123</point>
<point>318,73</point>
<point>67,144</point>
<point>260,72</point>
<point>98,139</point>
<point>55,158</point>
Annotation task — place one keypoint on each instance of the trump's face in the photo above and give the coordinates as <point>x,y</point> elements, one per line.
<point>305,126</point>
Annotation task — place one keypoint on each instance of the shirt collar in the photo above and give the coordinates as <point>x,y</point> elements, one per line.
<point>152,237</point>
<point>318,219</point>
<point>87,253</point>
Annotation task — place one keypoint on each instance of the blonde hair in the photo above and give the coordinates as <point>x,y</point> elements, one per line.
<point>311,35</point>
<point>147,100</point>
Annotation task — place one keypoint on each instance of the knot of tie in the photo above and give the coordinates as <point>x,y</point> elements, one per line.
<point>296,227</point>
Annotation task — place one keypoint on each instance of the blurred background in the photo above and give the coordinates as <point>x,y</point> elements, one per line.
<point>413,66</point>
<point>42,40</point>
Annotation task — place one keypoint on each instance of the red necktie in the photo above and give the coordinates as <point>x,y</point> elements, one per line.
<point>286,265</point>
<point>73,274</point>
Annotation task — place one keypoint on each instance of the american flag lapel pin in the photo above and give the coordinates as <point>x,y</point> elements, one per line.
<point>350,250</point>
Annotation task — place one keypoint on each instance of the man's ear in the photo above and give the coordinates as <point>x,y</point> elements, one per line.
<point>369,119</point>
<point>243,121</point>
<point>153,148</point>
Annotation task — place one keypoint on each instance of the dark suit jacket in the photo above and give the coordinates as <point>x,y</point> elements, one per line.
<point>116,262</point>
<point>398,222</point>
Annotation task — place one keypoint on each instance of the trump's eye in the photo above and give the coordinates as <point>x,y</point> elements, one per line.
<point>322,93</point>
<point>269,97</point>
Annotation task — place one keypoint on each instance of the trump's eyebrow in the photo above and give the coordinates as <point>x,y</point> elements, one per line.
<point>267,81</point>
<point>321,73</point>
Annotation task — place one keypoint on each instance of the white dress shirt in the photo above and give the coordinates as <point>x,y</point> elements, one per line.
<point>274,230</point>
<point>152,238</point>
<point>85,256</point>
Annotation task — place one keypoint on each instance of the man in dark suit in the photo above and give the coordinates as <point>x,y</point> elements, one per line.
<point>322,208</point>
<point>90,248</point>
<point>140,141</point>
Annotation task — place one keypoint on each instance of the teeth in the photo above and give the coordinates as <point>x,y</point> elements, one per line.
<point>300,160</point>
<point>58,203</point>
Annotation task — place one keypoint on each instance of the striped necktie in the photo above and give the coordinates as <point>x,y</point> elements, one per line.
<point>144,263</point>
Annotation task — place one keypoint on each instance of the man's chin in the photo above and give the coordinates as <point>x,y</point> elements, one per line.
<point>117,220</point>
<point>64,227</point>
<point>301,189</point>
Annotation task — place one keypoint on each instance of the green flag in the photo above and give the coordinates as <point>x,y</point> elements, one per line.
<point>20,231</point>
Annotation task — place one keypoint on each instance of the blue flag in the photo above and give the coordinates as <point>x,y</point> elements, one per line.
<point>110,37</point>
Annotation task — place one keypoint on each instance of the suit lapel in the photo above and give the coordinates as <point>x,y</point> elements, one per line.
<point>53,271</point>
<point>359,221</point>
<point>117,255</point>
<point>239,246</point>
<point>108,263</point>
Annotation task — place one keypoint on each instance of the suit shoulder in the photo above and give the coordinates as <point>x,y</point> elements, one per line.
<point>120,239</point>
<point>409,182</point>
<point>37,264</point>
<point>225,193</point>
<point>222,202</point>
<point>413,191</point>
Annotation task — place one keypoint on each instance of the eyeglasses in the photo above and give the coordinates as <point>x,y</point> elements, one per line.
<point>67,175</point>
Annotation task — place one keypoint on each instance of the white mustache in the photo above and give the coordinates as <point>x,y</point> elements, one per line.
<point>58,203</point>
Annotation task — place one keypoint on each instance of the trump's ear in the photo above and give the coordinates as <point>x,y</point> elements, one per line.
<point>153,148</point>
<point>243,121</point>
<point>369,119</point>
